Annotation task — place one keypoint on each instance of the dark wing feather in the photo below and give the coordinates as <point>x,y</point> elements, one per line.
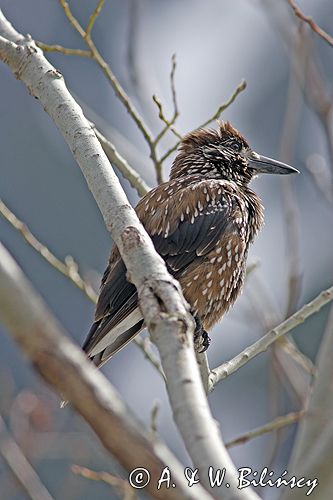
<point>190,241</point>
<point>115,291</point>
<point>117,299</point>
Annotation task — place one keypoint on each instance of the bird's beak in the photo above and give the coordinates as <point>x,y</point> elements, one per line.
<point>262,164</point>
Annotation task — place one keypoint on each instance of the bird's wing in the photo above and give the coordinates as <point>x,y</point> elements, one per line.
<point>184,224</point>
<point>189,224</point>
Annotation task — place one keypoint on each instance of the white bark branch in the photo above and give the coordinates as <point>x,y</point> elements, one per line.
<point>164,309</point>
<point>66,369</point>
<point>223,371</point>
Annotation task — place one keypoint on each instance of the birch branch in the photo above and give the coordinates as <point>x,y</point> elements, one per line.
<point>66,369</point>
<point>161,301</point>
<point>223,371</point>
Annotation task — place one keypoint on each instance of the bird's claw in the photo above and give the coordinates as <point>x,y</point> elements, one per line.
<point>206,340</point>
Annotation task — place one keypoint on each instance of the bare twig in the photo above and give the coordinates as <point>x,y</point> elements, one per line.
<point>144,345</point>
<point>94,16</point>
<point>223,371</point>
<point>307,19</point>
<point>121,486</point>
<point>69,268</point>
<point>169,123</point>
<point>20,467</point>
<point>63,50</point>
<point>73,21</point>
<point>240,87</point>
<point>276,424</point>
<point>173,87</point>
<point>215,116</point>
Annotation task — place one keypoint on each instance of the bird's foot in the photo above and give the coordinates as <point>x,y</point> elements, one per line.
<point>201,338</point>
<point>206,340</point>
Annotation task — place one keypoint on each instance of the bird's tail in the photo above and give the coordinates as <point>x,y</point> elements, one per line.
<point>121,340</point>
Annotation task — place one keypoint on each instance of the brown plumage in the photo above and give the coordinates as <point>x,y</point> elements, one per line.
<point>201,222</point>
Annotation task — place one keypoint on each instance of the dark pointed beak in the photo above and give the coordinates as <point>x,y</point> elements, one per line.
<point>264,165</point>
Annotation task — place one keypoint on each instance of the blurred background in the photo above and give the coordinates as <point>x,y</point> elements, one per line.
<point>282,113</point>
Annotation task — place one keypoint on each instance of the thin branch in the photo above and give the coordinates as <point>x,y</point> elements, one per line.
<point>20,467</point>
<point>69,268</point>
<point>169,152</point>
<point>63,50</point>
<point>144,346</point>
<point>276,424</point>
<point>307,19</point>
<point>173,87</point>
<point>74,22</point>
<point>216,115</point>
<point>94,16</point>
<point>121,486</point>
<point>223,107</point>
<point>226,369</point>
<point>169,123</point>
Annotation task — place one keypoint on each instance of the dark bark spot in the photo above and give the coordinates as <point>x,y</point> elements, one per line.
<point>131,238</point>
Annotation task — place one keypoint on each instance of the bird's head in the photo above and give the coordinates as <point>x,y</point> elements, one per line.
<point>223,154</point>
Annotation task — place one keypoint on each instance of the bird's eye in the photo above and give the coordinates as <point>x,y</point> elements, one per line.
<point>236,146</point>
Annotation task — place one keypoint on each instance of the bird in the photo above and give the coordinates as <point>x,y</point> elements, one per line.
<point>202,222</point>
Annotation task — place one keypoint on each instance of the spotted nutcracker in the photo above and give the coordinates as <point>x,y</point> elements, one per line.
<point>201,222</point>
